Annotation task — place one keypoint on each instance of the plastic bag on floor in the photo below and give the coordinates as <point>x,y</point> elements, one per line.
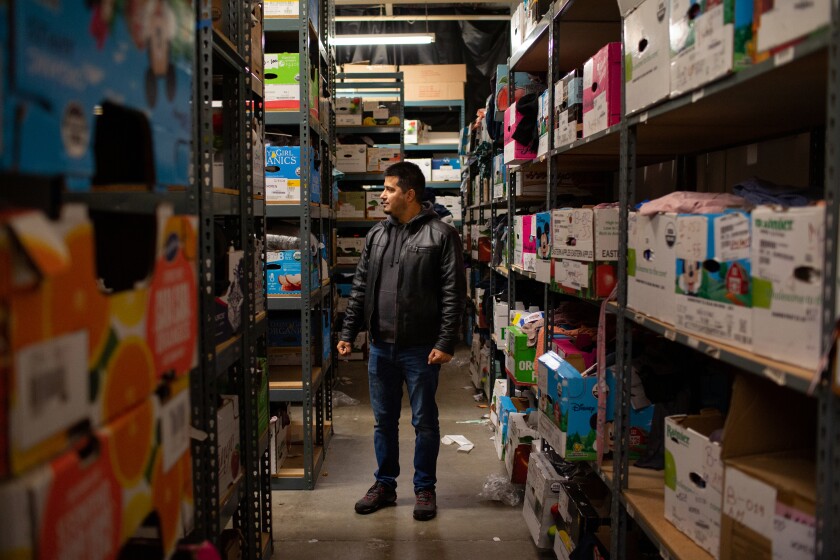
<point>499,489</point>
<point>342,399</point>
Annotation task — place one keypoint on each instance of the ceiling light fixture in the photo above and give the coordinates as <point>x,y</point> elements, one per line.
<point>384,39</point>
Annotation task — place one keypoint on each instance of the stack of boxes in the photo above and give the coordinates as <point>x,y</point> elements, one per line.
<point>585,249</point>
<point>434,82</point>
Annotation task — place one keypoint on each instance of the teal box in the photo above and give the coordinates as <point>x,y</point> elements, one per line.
<point>283,273</point>
<point>544,236</point>
<point>326,336</point>
<point>98,96</point>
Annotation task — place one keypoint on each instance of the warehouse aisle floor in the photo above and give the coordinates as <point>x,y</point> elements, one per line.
<point>321,524</point>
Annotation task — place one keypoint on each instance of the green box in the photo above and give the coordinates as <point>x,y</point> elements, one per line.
<point>519,357</point>
<point>282,81</point>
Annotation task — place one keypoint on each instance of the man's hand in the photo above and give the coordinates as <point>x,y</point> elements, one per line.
<point>344,348</point>
<point>438,357</point>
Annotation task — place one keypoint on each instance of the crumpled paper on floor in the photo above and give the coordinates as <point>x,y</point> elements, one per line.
<point>464,444</point>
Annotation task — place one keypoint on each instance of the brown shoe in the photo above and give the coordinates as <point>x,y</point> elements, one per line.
<point>425,507</point>
<point>379,496</point>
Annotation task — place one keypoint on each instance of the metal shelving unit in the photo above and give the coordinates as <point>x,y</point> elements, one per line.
<point>226,57</point>
<point>316,133</point>
<point>684,126</point>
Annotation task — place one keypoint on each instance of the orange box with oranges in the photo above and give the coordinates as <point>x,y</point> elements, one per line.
<point>72,355</point>
<point>88,501</point>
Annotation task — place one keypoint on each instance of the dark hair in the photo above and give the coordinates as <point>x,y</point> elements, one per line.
<point>409,176</point>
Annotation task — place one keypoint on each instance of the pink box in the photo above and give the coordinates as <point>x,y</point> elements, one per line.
<point>602,90</point>
<point>515,153</point>
<point>529,242</point>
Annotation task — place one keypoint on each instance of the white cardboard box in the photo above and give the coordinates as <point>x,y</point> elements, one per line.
<point>349,249</point>
<point>585,234</point>
<point>227,420</point>
<point>517,27</point>
<point>517,447</point>
<point>701,46</point>
<point>373,206</point>
<point>517,241</point>
<point>531,183</point>
<point>379,159</point>
<point>694,478</point>
<point>348,111</point>
<point>647,74</point>
<point>351,158</point>
<point>712,274</point>
<point>651,269</point>
<point>499,177</point>
<point>787,271</point>
<point>351,205</point>
<point>425,165</point>
<point>446,169</point>
<point>787,21</point>
<point>541,492</point>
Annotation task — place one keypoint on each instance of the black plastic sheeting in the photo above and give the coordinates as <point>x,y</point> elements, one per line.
<point>481,45</point>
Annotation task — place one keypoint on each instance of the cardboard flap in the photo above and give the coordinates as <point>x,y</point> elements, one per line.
<point>41,242</point>
<point>792,473</point>
<point>761,419</point>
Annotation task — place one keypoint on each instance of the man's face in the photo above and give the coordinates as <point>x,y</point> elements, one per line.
<point>394,201</point>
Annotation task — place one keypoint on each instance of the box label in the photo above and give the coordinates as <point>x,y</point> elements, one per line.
<point>750,501</point>
<point>175,428</point>
<point>732,237</point>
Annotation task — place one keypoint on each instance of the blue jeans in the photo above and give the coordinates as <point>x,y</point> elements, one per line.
<point>388,368</point>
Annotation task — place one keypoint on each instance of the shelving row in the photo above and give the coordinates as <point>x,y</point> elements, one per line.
<point>697,139</point>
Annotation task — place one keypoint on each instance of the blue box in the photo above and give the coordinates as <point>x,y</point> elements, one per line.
<point>544,236</point>
<point>446,169</point>
<point>284,273</point>
<point>570,401</point>
<point>284,331</point>
<point>80,83</point>
<point>326,336</point>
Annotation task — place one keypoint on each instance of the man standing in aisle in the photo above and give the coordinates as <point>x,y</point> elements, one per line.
<point>409,292</point>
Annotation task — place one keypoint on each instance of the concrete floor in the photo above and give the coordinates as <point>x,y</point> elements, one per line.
<point>321,524</point>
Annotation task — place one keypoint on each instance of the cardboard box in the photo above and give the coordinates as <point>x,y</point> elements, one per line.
<point>434,73</point>
<point>515,153</point>
<point>284,330</point>
<point>703,41</point>
<point>228,305</point>
<point>518,236</point>
<point>651,265</point>
<point>282,175</point>
<point>351,205</point>
<point>381,113</point>
<point>769,487</point>
<point>227,420</point>
<point>415,131</point>
<point>519,357</point>
<point>374,206</point>
<point>647,73</point>
<point>583,506</point>
<point>284,273</point>
<point>425,165</point>
<point>351,158</point>
<point>348,111</point>
<point>78,504</point>
<point>781,23</point>
<point>75,109</point>
<point>787,257</point>
<point>694,478</point>
<point>585,280</point>
<point>517,27</point>
<point>568,109</point>
<point>529,243</point>
<point>446,169</point>
<point>282,81</point>
<point>499,177</point>
<point>542,122</point>
<point>434,91</point>
<point>602,90</point>
<point>518,447</point>
<point>585,234</point>
<point>379,159</point>
<point>543,235</point>
<point>369,69</point>
<point>256,62</point>
<point>349,249</point>
<point>541,492</point>
<point>713,284</point>
<point>531,183</point>
<point>280,8</point>
<point>566,349</point>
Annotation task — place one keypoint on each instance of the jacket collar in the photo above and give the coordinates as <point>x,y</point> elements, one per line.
<point>426,213</point>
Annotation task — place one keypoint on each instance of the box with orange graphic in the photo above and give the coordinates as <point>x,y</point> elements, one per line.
<point>72,352</point>
<point>87,502</point>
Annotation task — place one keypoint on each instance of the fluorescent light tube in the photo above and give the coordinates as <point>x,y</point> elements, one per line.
<point>384,39</point>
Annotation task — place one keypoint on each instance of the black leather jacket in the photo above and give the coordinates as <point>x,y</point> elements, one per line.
<point>431,287</point>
